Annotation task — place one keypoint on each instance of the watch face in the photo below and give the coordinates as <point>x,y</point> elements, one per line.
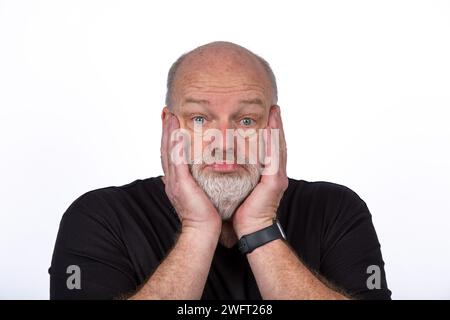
<point>281,230</point>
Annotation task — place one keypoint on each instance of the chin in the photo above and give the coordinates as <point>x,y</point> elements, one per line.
<point>226,189</point>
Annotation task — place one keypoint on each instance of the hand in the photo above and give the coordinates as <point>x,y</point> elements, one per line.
<point>260,207</point>
<point>191,203</point>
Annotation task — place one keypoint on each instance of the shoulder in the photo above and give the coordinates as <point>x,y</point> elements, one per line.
<point>107,202</point>
<point>321,191</point>
<point>329,202</point>
<point>107,196</point>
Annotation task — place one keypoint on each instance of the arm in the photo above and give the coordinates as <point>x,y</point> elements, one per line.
<point>280,274</point>
<point>349,247</point>
<point>278,271</point>
<point>183,273</point>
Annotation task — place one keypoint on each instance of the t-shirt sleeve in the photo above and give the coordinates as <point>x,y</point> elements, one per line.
<point>351,258</point>
<point>90,260</point>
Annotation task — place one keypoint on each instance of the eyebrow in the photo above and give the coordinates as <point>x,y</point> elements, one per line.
<point>252,101</point>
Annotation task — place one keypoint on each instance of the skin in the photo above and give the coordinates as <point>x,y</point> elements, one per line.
<point>223,84</point>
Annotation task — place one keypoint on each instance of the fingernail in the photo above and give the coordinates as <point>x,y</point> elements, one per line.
<point>278,110</point>
<point>274,109</point>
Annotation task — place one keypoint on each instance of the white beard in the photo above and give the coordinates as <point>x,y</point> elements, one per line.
<point>227,190</point>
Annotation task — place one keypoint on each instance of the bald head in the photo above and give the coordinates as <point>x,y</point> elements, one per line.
<point>220,66</point>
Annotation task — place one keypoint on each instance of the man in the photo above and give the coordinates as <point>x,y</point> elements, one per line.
<point>208,229</point>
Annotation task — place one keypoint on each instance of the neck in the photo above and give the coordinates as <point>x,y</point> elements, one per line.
<point>227,236</point>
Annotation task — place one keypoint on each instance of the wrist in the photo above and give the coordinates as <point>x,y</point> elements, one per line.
<point>249,227</point>
<point>251,241</point>
<point>202,231</point>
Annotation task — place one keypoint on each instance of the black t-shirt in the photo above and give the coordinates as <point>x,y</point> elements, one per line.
<point>118,236</point>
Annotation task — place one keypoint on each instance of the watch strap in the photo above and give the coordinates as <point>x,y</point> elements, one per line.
<point>250,242</point>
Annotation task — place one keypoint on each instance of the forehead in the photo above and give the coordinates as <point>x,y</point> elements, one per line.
<point>220,90</point>
<point>222,78</point>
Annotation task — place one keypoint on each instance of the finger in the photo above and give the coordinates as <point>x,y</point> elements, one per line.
<point>270,124</point>
<point>271,149</point>
<point>171,144</point>
<point>165,145</point>
<point>275,122</point>
<point>179,141</point>
<point>283,146</point>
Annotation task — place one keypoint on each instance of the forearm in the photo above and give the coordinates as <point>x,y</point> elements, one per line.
<point>280,274</point>
<point>183,273</point>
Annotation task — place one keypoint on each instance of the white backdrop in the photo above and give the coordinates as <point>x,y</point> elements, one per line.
<point>364,89</point>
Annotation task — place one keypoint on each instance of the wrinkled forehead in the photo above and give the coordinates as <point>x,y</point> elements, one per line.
<point>218,75</point>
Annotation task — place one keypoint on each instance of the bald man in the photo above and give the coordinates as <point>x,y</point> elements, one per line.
<point>219,229</point>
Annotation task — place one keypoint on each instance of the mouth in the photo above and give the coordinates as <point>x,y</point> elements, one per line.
<point>223,167</point>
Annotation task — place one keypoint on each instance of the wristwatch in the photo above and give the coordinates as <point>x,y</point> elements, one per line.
<point>251,241</point>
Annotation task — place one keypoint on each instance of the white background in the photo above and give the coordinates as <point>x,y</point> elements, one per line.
<point>364,89</point>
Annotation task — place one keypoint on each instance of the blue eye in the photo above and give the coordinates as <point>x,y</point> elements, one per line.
<point>199,120</point>
<point>247,122</point>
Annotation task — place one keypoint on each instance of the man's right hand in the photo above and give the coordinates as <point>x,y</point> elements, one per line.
<point>184,271</point>
<point>191,203</point>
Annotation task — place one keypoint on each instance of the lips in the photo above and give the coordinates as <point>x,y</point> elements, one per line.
<point>223,166</point>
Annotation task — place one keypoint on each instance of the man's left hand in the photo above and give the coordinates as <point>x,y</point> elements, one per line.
<point>260,207</point>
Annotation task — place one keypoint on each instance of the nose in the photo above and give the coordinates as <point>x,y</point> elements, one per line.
<point>226,129</point>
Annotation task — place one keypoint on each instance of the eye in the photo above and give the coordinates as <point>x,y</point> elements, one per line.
<point>199,120</point>
<point>246,122</point>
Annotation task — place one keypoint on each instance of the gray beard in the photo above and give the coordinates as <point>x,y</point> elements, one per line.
<point>227,190</point>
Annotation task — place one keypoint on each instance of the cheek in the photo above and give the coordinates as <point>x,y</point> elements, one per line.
<point>265,121</point>
<point>197,144</point>
<point>249,148</point>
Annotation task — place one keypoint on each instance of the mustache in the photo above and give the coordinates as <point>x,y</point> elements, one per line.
<point>218,156</point>
<point>250,169</point>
